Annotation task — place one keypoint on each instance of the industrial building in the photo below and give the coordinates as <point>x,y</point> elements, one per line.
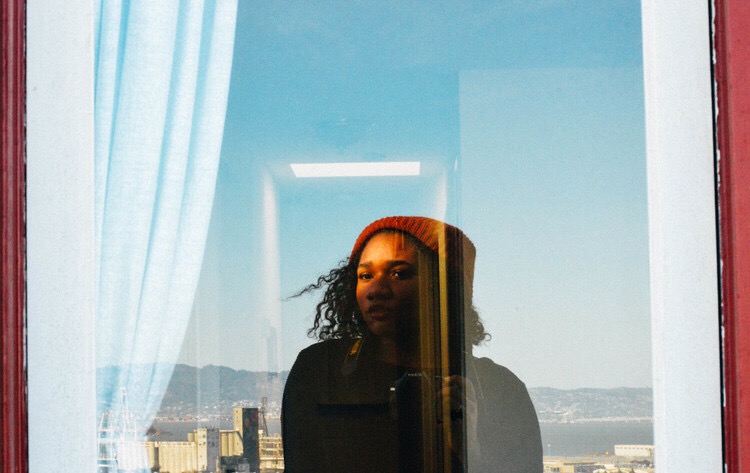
<point>635,451</point>
<point>210,450</point>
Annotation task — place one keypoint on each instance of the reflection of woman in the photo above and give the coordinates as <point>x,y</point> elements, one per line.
<point>393,386</point>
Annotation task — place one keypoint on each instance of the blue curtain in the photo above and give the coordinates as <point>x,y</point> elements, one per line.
<point>162,78</point>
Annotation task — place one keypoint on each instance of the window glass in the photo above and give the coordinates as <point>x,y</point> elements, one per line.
<point>521,123</point>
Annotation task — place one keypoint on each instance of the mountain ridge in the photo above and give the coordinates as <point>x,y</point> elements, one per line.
<point>215,389</point>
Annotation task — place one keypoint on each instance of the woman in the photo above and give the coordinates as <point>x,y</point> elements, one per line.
<point>393,385</point>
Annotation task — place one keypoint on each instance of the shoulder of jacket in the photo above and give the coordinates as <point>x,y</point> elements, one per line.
<point>321,350</point>
<point>486,368</point>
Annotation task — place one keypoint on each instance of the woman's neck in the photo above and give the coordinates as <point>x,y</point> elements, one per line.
<point>391,352</point>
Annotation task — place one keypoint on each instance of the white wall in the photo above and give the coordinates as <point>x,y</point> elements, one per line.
<point>60,245</point>
<point>682,236</point>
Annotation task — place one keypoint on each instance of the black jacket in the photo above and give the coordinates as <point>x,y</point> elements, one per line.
<point>347,416</point>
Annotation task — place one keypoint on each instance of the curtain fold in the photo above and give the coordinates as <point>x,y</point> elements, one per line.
<point>162,79</point>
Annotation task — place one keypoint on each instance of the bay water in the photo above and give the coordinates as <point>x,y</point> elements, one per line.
<point>560,440</point>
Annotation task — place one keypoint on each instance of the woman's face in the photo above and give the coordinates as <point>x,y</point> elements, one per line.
<point>388,285</point>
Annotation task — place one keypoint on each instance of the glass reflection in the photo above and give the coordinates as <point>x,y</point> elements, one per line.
<point>394,378</point>
<point>526,119</point>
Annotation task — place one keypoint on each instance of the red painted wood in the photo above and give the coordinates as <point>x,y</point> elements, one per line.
<point>13,423</point>
<point>732,72</point>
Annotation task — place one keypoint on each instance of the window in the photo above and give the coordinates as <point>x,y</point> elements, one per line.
<point>45,290</point>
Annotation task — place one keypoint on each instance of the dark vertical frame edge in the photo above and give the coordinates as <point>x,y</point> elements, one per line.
<point>13,424</point>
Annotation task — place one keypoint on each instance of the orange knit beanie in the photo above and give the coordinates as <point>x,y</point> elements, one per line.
<point>458,250</point>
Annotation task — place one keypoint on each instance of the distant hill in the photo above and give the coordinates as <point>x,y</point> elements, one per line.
<point>216,389</point>
<point>568,405</point>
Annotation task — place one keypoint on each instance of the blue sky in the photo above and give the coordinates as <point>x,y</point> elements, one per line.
<point>528,119</point>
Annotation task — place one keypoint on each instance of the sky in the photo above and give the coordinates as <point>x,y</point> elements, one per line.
<point>527,117</point>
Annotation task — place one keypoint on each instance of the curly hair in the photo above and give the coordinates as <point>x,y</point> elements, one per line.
<point>338,315</point>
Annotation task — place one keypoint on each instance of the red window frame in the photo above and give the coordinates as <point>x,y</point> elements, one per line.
<point>13,420</point>
<point>731,71</point>
<point>732,68</point>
